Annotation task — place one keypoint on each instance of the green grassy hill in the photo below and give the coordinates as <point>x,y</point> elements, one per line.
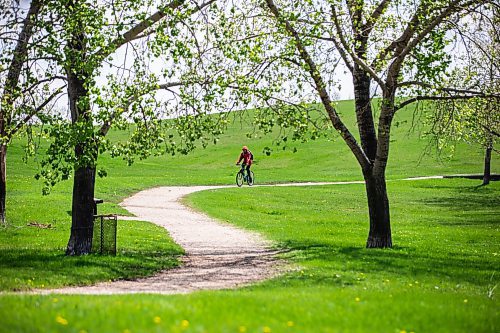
<point>440,276</point>
<point>324,159</point>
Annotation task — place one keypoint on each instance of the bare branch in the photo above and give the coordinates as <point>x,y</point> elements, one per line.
<point>321,88</point>
<point>20,54</point>
<point>137,30</point>
<point>35,111</point>
<point>356,59</point>
<point>441,98</point>
<point>446,89</point>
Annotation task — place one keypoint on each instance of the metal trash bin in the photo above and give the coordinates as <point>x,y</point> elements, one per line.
<point>104,237</point>
<point>104,240</point>
<point>96,202</point>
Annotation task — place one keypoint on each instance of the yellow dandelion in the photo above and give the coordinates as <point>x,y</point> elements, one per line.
<point>184,323</point>
<point>157,320</point>
<point>402,331</point>
<point>126,331</point>
<point>290,323</point>
<point>55,300</point>
<point>411,285</point>
<point>357,299</point>
<point>266,329</point>
<point>242,329</point>
<point>61,320</point>
<point>466,300</point>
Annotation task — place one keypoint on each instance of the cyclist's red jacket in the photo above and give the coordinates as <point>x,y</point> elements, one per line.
<point>246,157</point>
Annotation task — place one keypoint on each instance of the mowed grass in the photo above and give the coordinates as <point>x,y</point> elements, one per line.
<point>34,257</point>
<point>323,159</point>
<point>440,276</point>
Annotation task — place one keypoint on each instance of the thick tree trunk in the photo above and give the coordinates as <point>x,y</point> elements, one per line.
<point>487,165</point>
<point>378,207</point>
<point>3,181</point>
<point>80,241</point>
<point>364,115</point>
<point>82,217</point>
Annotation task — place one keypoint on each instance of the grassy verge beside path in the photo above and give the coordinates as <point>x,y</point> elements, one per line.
<point>34,257</point>
<point>439,277</point>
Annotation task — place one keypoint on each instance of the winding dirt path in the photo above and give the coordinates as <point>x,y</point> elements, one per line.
<point>218,255</point>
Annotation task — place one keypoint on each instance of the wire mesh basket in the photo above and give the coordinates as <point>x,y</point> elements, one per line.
<point>104,240</point>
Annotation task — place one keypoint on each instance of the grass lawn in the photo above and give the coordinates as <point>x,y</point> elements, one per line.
<point>439,277</point>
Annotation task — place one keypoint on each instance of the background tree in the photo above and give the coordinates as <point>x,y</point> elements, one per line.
<point>475,120</point>
<point>84,42</point>
<point>25,78</point>
<point>395,48</point>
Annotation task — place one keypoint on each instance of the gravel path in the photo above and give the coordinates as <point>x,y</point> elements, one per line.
<point>218,256</point>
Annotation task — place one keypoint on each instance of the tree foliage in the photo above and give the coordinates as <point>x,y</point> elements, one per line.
<point>475,120</point>
<point>397,50</point>
<point>160,89</point>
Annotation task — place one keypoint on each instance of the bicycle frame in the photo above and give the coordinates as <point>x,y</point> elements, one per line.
<point>242,177</point>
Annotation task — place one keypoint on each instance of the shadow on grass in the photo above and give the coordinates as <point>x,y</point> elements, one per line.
<point>27,269</point>
<point>404,262</point>
<point>483,202</point>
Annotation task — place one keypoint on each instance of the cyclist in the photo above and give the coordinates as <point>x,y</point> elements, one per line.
<point>247,157</point>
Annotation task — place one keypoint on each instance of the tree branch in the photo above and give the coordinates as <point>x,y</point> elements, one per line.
<point>134,32</point>
<point>452,8</point>
<point>34,112</point>
<point>489,130</point>
<point>452,90</point>
<point>440,98</point>
<point>57,77</point>
<point>19,55</point>
<point>373,18</point>
<point>337,44</point>
<point>356,59</point>
<point>321,89</point>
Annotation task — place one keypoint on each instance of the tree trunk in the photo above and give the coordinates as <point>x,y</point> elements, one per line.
<point>3,181</point>
<point>487,164</point>
<point>80,241</point>
<point>364,115</point>
<point>378,207</point>
<point>9,95</point>
<point>82,216</point>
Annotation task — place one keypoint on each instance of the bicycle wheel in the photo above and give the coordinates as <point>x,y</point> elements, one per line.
<point>251,181</point>
<point>239,179</point>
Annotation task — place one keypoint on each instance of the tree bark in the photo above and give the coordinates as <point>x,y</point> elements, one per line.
<point>364,114</point>
<point>82,215</point>
<point>9,96</point>
<point>378,207</point>
<point>80,240</point>
<point>3,181</point>
<point>487,164</point>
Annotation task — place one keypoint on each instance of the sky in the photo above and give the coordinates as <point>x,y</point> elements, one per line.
<point>346,91</point>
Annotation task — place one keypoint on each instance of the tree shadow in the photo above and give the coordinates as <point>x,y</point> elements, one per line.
<point>484,202</point>
<point>399,261</point>
<point>25,269</point>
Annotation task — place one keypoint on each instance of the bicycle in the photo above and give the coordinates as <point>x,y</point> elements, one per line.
<point>242,177</point>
